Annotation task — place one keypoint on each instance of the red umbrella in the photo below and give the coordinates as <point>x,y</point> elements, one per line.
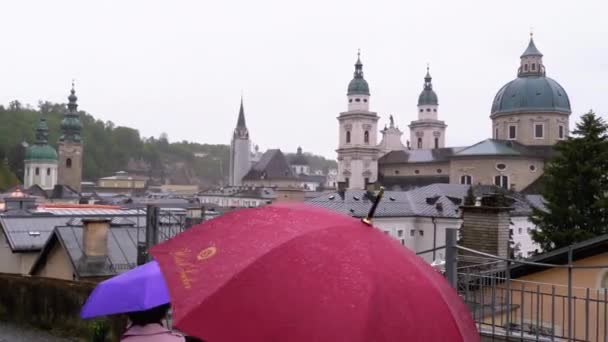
<point>301,273</point>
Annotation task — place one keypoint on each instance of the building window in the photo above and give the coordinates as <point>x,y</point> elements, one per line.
<point>539,131</point>
<point>48,171</point>
<point>512,132</point>
<point>416,171</point>
<point>419,142</point>
<point>366,137</point>
<point>439,170</point>
<point>412,232</point>
<point>466,179</point>
<point>502,181</point>
<point>561,132</point>
<point>37,171</point>
<point>501,167</point>
<point>366,180</point>
<point>496,133</point>
<point>348,137</point>
<point>396,172</point>
<point>519,230</point>
<point>532,168</point>
<point>435,110</point>
<point>421,110</point>
<point>400,233</point>
<point>436,142</point>
<point>350,100</point>
<point>525,67</point>
<point>421,233</point>
<point>402,242</point>
<point>68,163</point>
<point>533,66</point>
<point>347,182</point>
<point>428,109</point>
<point>357,100</point>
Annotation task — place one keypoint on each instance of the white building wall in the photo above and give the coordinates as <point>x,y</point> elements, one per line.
<point>418,233</point>
<point>522,228</point>
<point>47,174</point>
<point>240,160</point>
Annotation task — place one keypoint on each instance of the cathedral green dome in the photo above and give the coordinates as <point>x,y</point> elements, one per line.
<point>427,97</point>
<point>531,94</point>
<point>40,152</point>
<point>358,86</point>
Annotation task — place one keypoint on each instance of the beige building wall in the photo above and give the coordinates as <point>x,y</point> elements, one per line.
<point>525,123</point>
<point>57,265</point>
<point>557,278</point>
<point>521,172</point>
<point>424,169</point>
<point>27,261</point>
<point>122,183</point>
<point>9,262</point>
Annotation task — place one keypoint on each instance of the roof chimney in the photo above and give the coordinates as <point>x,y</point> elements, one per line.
<point>95,237</point>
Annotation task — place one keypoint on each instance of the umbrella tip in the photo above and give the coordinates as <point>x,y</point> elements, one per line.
<point>368,219</point>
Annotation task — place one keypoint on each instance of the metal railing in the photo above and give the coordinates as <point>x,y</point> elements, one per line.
<point>532,307</point>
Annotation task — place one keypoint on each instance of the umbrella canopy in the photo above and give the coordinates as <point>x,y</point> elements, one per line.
<point>139,289</point>
<point>302,273</point>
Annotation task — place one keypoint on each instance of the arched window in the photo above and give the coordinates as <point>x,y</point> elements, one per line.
<point>533,66</point>
<point>525,67</point>
<point>37,171</point>
<point>466,179</point>
<point>366,137</point>
<point>419,142</point>
<point>48,171</point>
<point>502,181</point>
<point>68,163</point>
<point>348,137</point>
<point>436,142</point>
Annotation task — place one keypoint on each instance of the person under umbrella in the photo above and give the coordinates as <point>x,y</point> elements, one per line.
<point>147,326</point>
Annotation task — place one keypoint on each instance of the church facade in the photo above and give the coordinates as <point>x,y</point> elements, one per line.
<point>529,115</point>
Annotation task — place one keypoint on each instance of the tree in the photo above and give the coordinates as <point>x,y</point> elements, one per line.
<point>576,188</point>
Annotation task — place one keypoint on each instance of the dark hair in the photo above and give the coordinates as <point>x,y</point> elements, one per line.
<point>193,339</point>
<point>150,316</point>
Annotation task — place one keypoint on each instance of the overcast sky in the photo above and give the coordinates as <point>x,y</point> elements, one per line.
<point>179,66</point>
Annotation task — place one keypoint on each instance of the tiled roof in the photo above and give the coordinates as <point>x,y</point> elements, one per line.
<point>419,156</point>
<point>272,165</point>
<point>436,200</point>
<point>493,147</point>
<point>405,183</point>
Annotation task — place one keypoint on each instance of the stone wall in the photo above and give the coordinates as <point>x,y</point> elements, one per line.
<point>51,304</point>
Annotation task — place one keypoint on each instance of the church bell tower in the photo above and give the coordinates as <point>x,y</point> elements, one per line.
<point>70,146</point>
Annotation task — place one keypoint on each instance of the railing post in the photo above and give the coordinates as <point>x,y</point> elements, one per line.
<point>570,293</point>
<point>451,256</point>
<point>152,213</point>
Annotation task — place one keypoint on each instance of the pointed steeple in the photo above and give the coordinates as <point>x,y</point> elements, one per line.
<point>71,125</point>
<point>241,121</point>
<point>531,50</point>
<point>42,131</point>
<point>358,85</point>
<point>428,95</point>
<point>241,131</point>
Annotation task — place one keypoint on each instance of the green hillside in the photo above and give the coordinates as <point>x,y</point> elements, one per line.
<point>109,148</point>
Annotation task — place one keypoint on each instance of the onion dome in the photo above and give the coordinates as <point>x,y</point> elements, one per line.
<point>71,126</point>
<point>428,95</point>
<point>41,150</point>
<point>358,85</point>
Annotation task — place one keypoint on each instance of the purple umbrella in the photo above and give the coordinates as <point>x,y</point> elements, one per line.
<point>139,289</point>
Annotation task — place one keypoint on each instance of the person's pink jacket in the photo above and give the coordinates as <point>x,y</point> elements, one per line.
<point>151,333</point>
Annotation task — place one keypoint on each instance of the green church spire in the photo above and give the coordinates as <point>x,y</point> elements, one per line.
<point>70,125</point>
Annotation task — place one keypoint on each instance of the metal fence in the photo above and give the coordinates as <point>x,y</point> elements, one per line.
<point>526,308</point>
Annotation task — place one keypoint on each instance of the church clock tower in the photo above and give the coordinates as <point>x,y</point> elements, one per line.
<point>358,148</point>
<point>70,146</point>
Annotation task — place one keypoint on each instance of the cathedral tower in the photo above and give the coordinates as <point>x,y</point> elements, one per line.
<point>428,131</point>
<point>40,160</point>
<point>240,151</point>
<point>70,146</point>
<point>357,147</point>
